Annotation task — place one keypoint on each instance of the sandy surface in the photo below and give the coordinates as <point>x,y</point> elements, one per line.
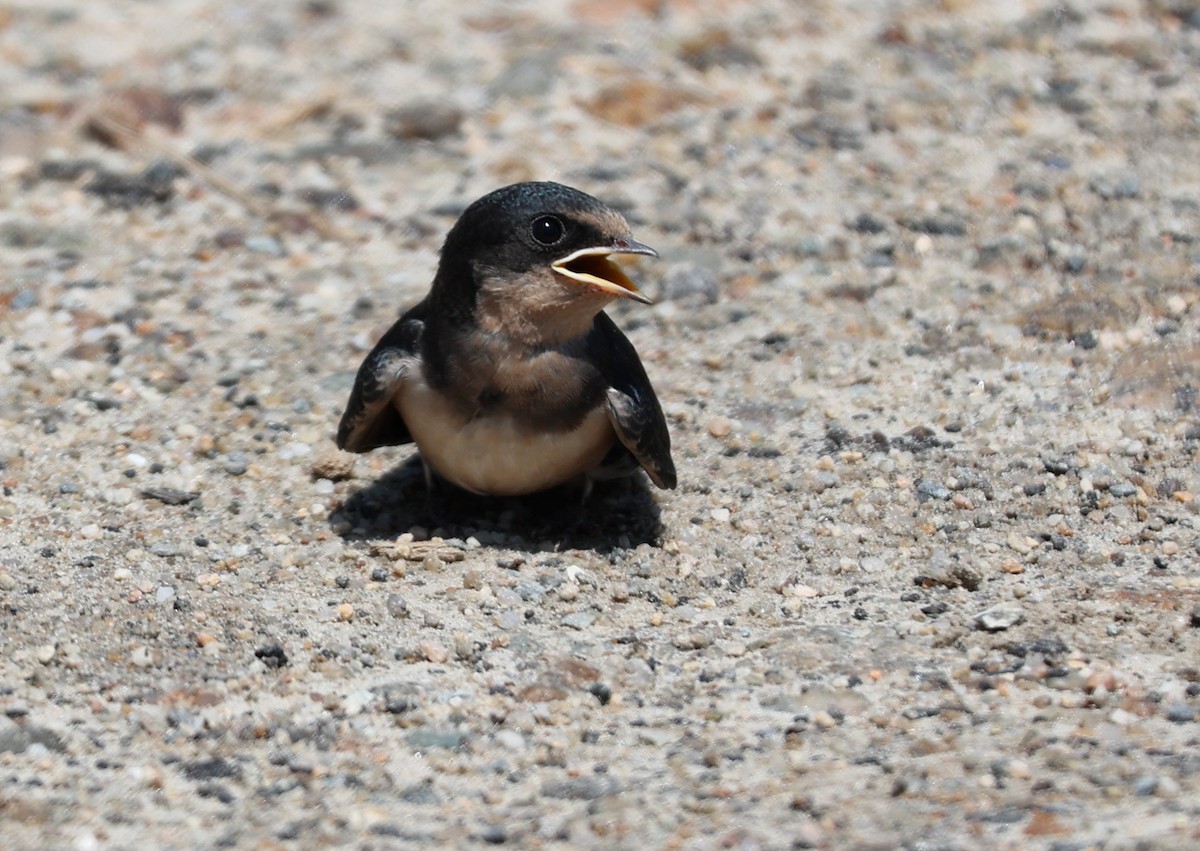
<point>928,338</point>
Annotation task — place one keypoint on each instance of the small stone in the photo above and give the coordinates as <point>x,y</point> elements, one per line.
<point>530,591</point>
<point>428,119</point>
<point>720,427</point>
<point>568,591</point>
<point>932,490</point>
<point>510,740</point>
<point>334,466</point>
<point>580,620</point>
<point>1022,544</point>
<point>397,606</point>
<point>433,652</point>
<point>264,245</point>
<point>345,612</point>
<point>45,653</point>
<point>1181,713</point>
<point>693,640</point>
<point>473,580</point>
<point>1000,617</point>
<point>721,515</point>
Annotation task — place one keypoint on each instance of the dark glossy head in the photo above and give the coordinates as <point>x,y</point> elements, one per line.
<point>542,242</point>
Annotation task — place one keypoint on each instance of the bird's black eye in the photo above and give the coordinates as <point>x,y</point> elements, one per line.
<point>547,229</point>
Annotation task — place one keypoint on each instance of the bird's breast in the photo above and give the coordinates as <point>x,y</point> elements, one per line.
<point>498,452</point>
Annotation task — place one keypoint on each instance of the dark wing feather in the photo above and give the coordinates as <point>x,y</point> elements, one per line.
<point>371,419</point>
<point>632,406</point>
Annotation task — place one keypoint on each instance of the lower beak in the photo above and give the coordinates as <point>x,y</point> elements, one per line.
<point>593,268</point>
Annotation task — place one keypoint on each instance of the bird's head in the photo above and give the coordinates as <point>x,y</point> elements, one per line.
<point>538,257</point>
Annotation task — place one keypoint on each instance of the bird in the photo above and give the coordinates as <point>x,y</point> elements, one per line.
<point>508,375</point>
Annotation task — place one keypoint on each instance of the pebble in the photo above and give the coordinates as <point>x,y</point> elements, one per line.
<point>580,620</point>
<point>932,490</point>
<point>693,640</point>
<point>510,619</point>
<point>529,591</point>
<point>720,427</point>
<point>345,612</point>
<point>263,244</point>
<point>1000,617</point>
<point>1181,713</point>
<point>510,740</point>
<point>433,652</point>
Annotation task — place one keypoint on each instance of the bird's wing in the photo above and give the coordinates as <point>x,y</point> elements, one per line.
<point>632,406</point>
<point>371,419</point>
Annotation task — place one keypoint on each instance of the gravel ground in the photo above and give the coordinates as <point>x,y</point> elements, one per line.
<point>927,335</point>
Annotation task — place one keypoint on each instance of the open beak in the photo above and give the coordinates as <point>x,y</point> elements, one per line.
<point>593,268</point>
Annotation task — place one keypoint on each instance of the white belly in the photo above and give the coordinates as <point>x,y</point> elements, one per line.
<point>495,455</point>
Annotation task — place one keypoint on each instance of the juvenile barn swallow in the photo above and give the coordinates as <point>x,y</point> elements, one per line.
<point>508,375</point>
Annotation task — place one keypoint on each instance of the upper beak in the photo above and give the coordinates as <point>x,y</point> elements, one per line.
<point>593,267</point>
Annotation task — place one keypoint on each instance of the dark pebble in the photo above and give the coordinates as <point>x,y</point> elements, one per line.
<point>68,487</point>
<point>102,404</point>
<point>1043,646</point>
<point>1181,713</point>
<point>601,692</point>
<point>152,186</point>
<point>272,655</point>
<point>169,496</point>
<point>379,574</point>
<point>424,120</point>
<point>330,199</point>
<point>1168,486</point>
<point>866,223</point>
<point>65,170</point>
<point>494,834</point>
<point>1194,618</point>
<point>1034,488</point>
<point>210,768</point>
<point>944,225</point>
<point>342,582</point>
<point>1057,466</point>
<point>1085,340</point>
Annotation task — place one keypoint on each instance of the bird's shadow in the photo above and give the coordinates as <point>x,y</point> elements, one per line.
<point>616,514</point>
